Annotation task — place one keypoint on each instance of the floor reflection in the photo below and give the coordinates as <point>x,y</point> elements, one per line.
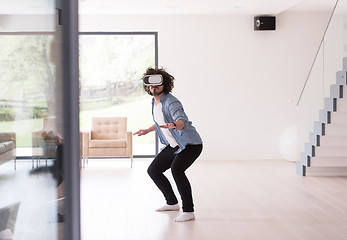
<point>8,218</point>
<point>37,195</point>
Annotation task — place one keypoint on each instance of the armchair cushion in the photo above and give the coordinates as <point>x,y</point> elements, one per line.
<point>109,128</point>
<point>7,146</point>
<point>7,136</point>
<point>121,143</point>
<point>44,142</point>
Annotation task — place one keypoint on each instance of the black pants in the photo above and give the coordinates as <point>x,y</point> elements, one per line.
<point>178,163</point>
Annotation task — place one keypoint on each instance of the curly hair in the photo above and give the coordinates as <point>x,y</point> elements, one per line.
<point>168,80</point>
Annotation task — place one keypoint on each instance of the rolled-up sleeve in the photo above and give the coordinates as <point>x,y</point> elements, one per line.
<point>177,112</point>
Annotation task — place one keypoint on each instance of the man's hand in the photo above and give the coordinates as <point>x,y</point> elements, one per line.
<point>179,125</point>
<point>168,125</point>
<point>141,132</point>
<point>145,131</point>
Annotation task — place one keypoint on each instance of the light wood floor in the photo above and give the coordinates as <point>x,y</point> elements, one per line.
<point>238,200</point>
<point>233,200</point>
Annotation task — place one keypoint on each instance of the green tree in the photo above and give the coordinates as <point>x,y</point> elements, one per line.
<point>26,74</point>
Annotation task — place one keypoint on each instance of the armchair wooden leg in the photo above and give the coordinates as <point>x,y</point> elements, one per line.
<point>132,159</point>
<point>83,162</point>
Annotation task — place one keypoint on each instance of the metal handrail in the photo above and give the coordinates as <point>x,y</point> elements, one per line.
<point>315,58</point>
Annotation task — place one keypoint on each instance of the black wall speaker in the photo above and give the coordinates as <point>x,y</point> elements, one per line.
<point>264,23</point>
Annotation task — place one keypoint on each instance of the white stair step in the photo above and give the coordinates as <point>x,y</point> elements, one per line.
<point>332,151</point>
<point>325,116</point>
<point>336,91</point>
<point>338,141</point>
<point>325,171</point>
<point>330,104</point>
<point>336,129</point>
<point>319,128</point>
<point>314,139</point>
<point>344,64</point>
<point>339,117</point>
<point>341,78</point>
<point>304,159</point>
<point>328,162</point>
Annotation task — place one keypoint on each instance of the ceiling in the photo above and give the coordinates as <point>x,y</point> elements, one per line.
<point>244,7</point>
<point>146,7</point>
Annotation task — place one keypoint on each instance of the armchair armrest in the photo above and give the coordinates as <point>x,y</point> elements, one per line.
<point>129,149</point>
<point>85,136</point>
<point>37,138</point>
<point>8,136</point>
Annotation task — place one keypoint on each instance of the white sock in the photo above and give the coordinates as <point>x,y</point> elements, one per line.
<point>167,207</point>
<point>186,216</point>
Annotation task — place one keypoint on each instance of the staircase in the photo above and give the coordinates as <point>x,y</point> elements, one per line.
<point>326,152</point>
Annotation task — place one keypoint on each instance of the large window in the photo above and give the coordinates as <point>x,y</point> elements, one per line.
<point>27,76</point>
<point>111,67</point>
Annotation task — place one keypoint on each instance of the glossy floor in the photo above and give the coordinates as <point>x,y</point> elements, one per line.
<point>242,200</point>
<point>36,194</point>
<point>233,200</point>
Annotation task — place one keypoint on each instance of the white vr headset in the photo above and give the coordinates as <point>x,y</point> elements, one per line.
<point>153,80</point>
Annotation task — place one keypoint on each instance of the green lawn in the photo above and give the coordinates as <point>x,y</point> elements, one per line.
<point>23,130</point>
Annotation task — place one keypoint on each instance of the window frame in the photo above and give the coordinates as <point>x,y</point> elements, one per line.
<point>155,34</point>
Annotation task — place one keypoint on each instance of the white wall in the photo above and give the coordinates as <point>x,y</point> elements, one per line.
<point>238,86</point>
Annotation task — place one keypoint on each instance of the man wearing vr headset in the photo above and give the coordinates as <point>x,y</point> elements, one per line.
<point>183,144</point>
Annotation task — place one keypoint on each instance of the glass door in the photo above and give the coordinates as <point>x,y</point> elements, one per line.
<point>32,199</point>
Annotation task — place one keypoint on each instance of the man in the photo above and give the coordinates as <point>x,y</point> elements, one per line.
<point>183,144</point>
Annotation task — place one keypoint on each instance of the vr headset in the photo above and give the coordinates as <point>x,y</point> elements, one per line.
<point>153,80</point>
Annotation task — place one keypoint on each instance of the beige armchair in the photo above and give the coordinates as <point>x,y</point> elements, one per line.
<point>108,138</point>
<point>7,147</point>
<point>44,142</point>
